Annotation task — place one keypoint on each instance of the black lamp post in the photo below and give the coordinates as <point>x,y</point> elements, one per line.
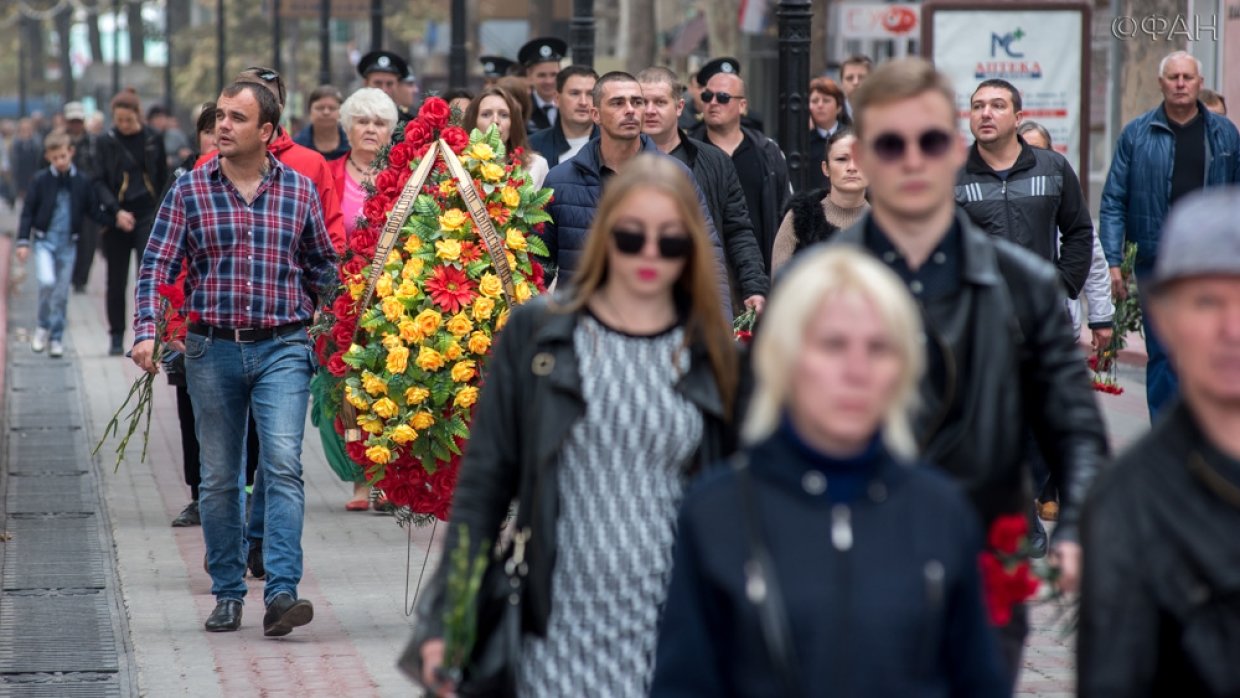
<point>582,33</point>
<point>458,73</point>
<point>277,32</point>
<point>376,25</point>
<point>794,30</point>
<point>168,98</point>
<point>220,55</point>
<point>325,42</point>
<point>116,46</point>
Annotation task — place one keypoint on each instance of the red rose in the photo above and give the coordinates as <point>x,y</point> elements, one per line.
<point>363,243</point>
<point>386,180</point>
<point>342,307</point>
<point>456,138</point>
<point>320,347</point>
<point>336,365</point>
<point>1008,533</point>
<point>539,277</point>
<point>355,265</point>
<point>436,112</point>
<point>376,208</point>
<point>417,135</point>
<point>398,156</point>
<point>355,449</point>
<point>744,336</point>
<point>342,333</point>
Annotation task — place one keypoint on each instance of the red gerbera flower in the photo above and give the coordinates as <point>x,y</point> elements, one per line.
<point>499,213</point>
<point>451,289</point>
<point>470,252</point>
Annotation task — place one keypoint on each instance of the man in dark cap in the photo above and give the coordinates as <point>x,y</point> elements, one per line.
<point>1160,613</point>
<point>494,68</point>
<point>729,66</point>
<point>386,70</point>
<point>541,58</point>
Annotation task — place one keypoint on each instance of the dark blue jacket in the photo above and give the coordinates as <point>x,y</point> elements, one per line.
<point>1137,196</point>
<point>897,611</point>
<point>551,143</point>
<point>305,137</point>
<point>40,205</point>
<point>578,186</point>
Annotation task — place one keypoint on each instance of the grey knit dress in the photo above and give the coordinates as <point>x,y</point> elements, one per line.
<point>621,481</point>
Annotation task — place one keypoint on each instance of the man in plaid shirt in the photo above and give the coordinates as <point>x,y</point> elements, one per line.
<point>252,233</point>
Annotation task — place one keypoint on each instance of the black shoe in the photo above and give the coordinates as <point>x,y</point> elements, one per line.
<point>284,614</point>
<point>118,345</point>
<point>226,617</point>
<point>254,559</point>
<point>79,289</point>
<point>188,517</point>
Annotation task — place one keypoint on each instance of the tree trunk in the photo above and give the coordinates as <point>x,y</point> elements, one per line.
<point>64,21</point>
<point>36,57</point>
<point>641,35</point>
<point>818,38</point>
<point>1139,57</point>
<point>137,33</point>
<point>92,30</point>
<point>725,32</point>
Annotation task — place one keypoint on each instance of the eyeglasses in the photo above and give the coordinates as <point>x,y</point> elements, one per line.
<point>723,97</point>
<point>632,242</point>
<point>264,74</point>
<point>891,147</point>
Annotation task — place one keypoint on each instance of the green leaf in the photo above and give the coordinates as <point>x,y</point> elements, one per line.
<point>536,245</point>
<point>425,206</point>
<point>541,199</point>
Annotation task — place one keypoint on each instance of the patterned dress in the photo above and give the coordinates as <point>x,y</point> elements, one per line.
<point>621,482</point>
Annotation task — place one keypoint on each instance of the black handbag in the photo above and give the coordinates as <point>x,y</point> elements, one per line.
<point>762,588</point>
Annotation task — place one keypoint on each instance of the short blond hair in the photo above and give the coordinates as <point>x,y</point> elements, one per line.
<point>898,80</point>
<point>818,275</point>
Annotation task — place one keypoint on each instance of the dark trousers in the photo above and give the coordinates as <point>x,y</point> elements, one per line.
<point>191,460</point>
<point>1012,643</point>
<point>118,248</point>
<point>87,244</point>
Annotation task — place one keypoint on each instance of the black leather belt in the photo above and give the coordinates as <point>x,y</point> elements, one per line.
<point>246,335</point>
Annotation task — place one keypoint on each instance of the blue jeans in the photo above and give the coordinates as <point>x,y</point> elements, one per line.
<point>54,256</point>
<point>227,380</point>
<point>1161,383</point>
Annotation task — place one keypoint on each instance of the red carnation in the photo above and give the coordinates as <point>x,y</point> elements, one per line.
<point>1008,533</point>
<point>174,293</point>
<point>539,275</point>
<point>744,336</point>
<point>337,367</point>
<point>436,112</point>
<point>456,138</point>
<point>398,156</point>
<point>418,134</point>
<point>451,289</point>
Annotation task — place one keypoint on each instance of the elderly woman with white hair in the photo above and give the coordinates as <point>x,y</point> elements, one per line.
<point>826,560</point>
<point>368,117</point>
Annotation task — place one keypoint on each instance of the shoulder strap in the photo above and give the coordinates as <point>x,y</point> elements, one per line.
<point>762,588</point>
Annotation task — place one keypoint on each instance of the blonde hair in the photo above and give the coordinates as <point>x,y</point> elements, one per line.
<point>818,275</point>
<point>698,284</point>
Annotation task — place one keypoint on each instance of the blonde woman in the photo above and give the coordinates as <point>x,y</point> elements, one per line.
<point>597,408</point>
<point>869,585</point>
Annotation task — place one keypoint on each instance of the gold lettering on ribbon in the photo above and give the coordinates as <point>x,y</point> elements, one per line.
<point>486,227</point>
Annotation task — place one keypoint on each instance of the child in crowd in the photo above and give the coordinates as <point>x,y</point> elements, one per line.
<point>52,213</point>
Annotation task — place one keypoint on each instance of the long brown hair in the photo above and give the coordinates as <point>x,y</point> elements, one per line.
<point>516,127</point>
<point>698,282</point>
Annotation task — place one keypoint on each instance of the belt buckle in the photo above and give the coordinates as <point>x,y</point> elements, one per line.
<point>237,337</point>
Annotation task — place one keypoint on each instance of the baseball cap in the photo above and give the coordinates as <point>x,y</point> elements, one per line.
<point>1201,237</point>
<point>74,111</point>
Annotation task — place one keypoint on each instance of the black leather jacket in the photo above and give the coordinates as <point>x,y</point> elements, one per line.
<point>531,400</point>
<point>116,172</point>
<point>1160,596</point>
<point>1026,371</point>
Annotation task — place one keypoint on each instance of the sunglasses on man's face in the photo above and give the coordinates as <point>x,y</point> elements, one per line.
<point>723,97</point>
<point>891,147</point>
<point>632,242</point>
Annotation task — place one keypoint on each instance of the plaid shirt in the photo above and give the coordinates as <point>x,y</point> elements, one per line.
<point>250,265</point>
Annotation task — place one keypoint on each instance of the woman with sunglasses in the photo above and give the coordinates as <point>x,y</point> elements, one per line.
<point>826,561</point>
<point>494,105</point>
<point>597,408</point>
<point>815,215</point>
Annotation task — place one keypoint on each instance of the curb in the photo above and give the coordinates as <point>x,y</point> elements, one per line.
<point>6,263</point>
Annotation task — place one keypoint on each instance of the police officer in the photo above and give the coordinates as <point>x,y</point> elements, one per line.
<point>541,58</point>
<point>386,71</point>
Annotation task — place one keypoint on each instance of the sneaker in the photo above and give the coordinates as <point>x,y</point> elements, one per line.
<point>57,349</point>
<point>39,342</point>
<point>188,517</point>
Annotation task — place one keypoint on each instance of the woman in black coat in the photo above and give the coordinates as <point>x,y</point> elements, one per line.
<point>870,584</point>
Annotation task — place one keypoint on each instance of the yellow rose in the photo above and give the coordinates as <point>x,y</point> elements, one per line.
<point>466,397</point>
<point>407,289</point>
<point>428,321</point>
<point>397,360</point>
<point>490,285</point>
<point>503,320</point>
<point>383,287</point>
<point>392,308</point>
<point>483,307</point>
<point>491,172</point>
<point>373,384</point>
<point>447,187</point>
<point>514,240</point>
<point>413,245</point>
<point>523,292</point>
<point>403,434</point>
<point>479,343</point>
<point>370,424</point>
<point>510,196</point>
<point>416,395</point>
<point>379,454</point>
<point>391,341</point>
<point>448,249</point>
<point>460,325</point>
<point>413,269</point>
<point>422,421</point>
<point>409,331</point>
<point>356,400</point>
<point>430,360</point>
<point>481,151</point>
<point>463,371</point>
<point>453,352</point>
<point>454,218</point>
<point>512,260</point>
<point>386,408</point>
<point>394,259</point>
<point>356,290</point>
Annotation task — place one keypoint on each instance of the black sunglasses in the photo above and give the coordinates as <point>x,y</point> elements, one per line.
<point>723,97</point>
<point>890,147</point>
<point>670,246</point>
<point>264,74</point>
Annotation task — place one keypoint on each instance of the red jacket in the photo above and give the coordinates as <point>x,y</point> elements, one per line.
<point>339,171</point>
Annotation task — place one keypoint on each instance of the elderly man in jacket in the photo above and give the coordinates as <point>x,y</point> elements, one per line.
<point>578,183</point>
<point>1000,355</point>
<point>1160,605</point>
<point>1173,149</point>
<point>716,176</point>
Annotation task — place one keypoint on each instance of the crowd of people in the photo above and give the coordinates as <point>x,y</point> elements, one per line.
<point>813,515</point>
